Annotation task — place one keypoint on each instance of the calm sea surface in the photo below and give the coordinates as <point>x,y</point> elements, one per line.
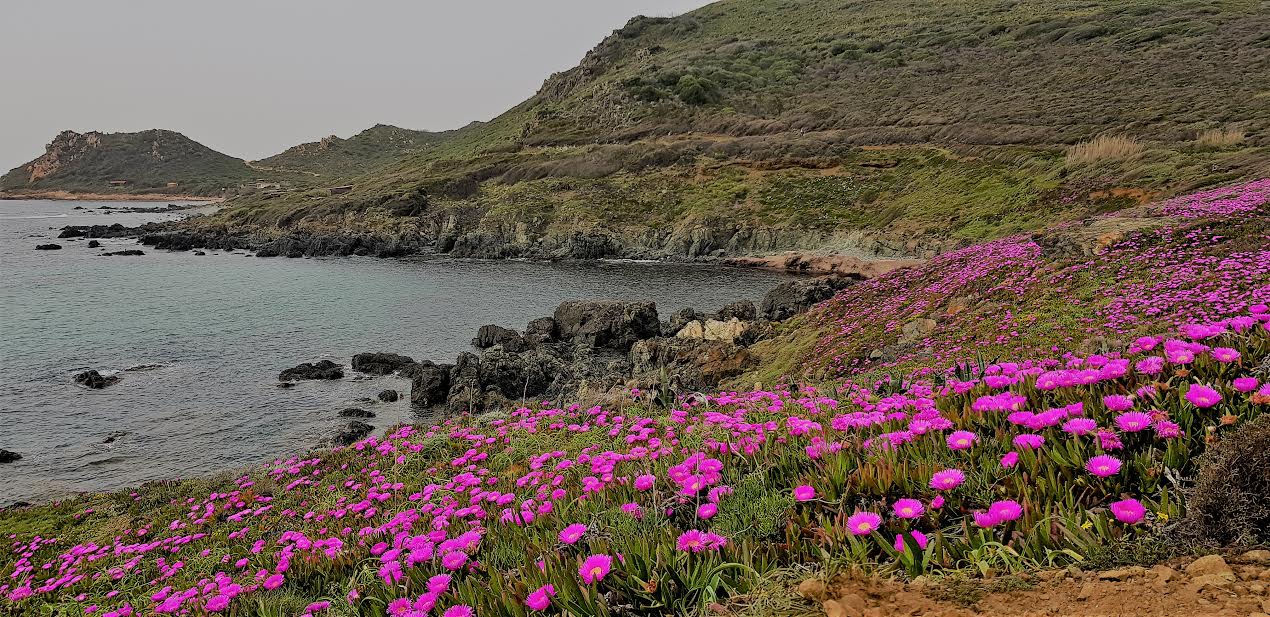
<point>211,334</point>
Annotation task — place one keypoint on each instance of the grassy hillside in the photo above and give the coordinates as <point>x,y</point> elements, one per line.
<point>368,150</point>
<point>917,120</point>
<point>148,161</point>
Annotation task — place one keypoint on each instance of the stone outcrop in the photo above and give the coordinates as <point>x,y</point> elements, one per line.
<point>616,325</point>
<point>48,247</point>
<point>374,363</point>
<point>323,369</point>
<point>95,380</point>
<point>351,433</point>
<point>594,350</point>
<point>9,457</point>
<point>793,297</point>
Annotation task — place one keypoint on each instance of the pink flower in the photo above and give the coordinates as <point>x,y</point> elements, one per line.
<point>804,493</point>
<point>540,598</point>
<point>1245,384</point>
<point>918,537</point>
<point>947,479</point>
<point>1202,396</point>
<point>274,582</point>
<point>1117,402</point>
<point>961,440</point>
<point>216,604</point>
<point>318,607</point>
<point>595,568</point>
<point>460,610</point>
<point>1006,510</point>
<point>908,508</point>
<point>863,523</point>
<point>1010,460</point>
<point>1103,465</point>
<point>439,583</point>
<point>645,482</point>
<point>985,519</point>
<point>707,510</point>
<point>572,533</point>
<point>937,502</point>
<point>1128,511</point>
<point>1029,441</point>
<point>1080,426</point>
<point>1166,429</point>
<point>1225,355</point>
<point>454,560</point>
<point>1133,421</point>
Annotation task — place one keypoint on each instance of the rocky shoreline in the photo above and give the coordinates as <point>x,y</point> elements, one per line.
<point>601,352</point>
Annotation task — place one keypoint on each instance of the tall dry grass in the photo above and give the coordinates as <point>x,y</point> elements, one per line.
<point>1220,138</point>
<point>1103,148</point>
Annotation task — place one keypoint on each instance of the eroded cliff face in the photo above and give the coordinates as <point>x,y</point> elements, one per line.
<point>65,149</point>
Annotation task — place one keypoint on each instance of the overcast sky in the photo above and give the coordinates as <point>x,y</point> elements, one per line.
<point>253,77</point>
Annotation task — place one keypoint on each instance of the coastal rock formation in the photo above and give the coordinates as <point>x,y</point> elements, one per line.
<point>323,369</point>
<point>356,412</point>
<point>352,433</point>
<point>380,363</point>
<point>612,324</point>
<point>508,339</point>
<point>95,380</point>
<point>389,396</point>
<point>429,384</point>
<point>48,247</point>
<point>124,253</point>
<point>9,457</point>
<point>92,244</point>
<point>793,297</point>
<point>599,350</point>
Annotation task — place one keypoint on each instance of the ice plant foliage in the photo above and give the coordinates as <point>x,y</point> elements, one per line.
<point>575,510</point>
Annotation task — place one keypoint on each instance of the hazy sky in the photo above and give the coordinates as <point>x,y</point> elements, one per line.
<point>253,77</point>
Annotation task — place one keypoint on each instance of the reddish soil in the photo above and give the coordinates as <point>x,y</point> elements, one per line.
<point>1207,587</point>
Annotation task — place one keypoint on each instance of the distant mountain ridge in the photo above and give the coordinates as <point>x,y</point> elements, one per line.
<point>332,156</point>
<point>151,161</point>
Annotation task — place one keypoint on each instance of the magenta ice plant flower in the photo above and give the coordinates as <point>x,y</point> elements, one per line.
<point>595,568</point>
<point>572,533</point>
<point>1103,465</point>
<point>908,508</point>
<point>804,493</point>
<point>863,523</point>
<point>1202,396</point>
<point>1129,511</point>
<point>947,479</point>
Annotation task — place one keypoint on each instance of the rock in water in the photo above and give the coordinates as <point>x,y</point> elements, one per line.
<point>323,369</point>
<point>355,412</point>
<point>491,335</point>
<point>48,247</point>
<point>389,396</point>
<point>125,253</point>
<point>96,381</point>
<point>743,310</point>
<point>616,325</point>
<point>429,384</point>
<point>9,457</point>
<point>794,297</point>
<point>380,363</point>
<point>352,433</point>
<point>92,244</point>
<point>541,330</point>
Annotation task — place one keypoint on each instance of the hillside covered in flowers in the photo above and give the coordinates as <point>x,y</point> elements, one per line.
<point>1059,404</point>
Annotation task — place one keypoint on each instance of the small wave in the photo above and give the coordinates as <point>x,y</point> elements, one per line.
<point>146,367</point>
<point>33,216</point>
<point>105,461</point>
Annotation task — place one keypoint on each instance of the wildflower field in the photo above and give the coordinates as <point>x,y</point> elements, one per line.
<point>956,465</point>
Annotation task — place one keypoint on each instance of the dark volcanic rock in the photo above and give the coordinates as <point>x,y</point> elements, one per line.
<point>541,330</point>
<point>380,363</point>
<point>794,297</point>
<point>681,318</point>
<point>429,384</point>
<point>96,381</point>
<point>356,412</point>
<point>9,457</point>
<point>352,433</point>
<point>323,369</point>
<point>743,310</point>
<point>48,247</point>
<point>125,253</point>
<point>616,325</point>
<point>116,230</point>
<point>513,375</point>
<point>465,383</point>
<point>491,335</point>
<point>92,244</point>
<point>389,396</point>
<point>692,364</point>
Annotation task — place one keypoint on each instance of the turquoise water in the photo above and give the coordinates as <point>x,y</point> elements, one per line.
<point>220,327</point>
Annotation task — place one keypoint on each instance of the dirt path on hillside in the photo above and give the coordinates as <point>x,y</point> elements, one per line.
<point>1207,587</point>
